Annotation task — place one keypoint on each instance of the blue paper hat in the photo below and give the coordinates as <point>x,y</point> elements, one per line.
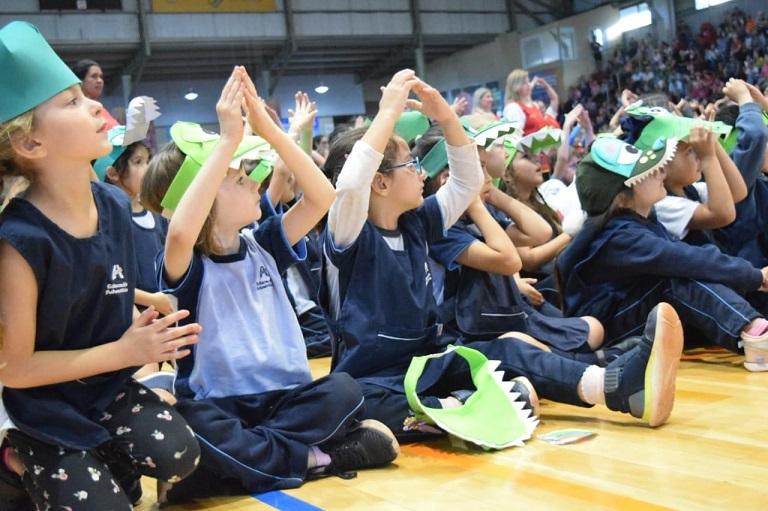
<point>32,73</point>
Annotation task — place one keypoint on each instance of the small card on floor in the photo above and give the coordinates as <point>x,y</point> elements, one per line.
<point>566,436</point>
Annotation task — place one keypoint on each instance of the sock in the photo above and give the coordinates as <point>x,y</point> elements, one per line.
<point>450,402</point>
<point>591,386</point>
<point>757,328</point>
<point>319,457</point>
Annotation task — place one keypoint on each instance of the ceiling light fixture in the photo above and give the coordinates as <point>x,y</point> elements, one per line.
<point>191,95</point>
<point>321,89</point>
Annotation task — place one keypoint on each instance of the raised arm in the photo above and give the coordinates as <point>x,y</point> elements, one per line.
<point>318,192</point>
<point>466,175</point>
<point>353,186</point>
<point>564,151</point>
<point>197,201</point>
<point>719,209</point>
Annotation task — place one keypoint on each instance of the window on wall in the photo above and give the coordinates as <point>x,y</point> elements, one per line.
<point>630,18</point>
<point>81,5</point>
<point>703,4</point>
<point>544,47</point>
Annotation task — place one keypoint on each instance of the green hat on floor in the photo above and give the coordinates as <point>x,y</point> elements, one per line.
<point>613,165</point>
<point>412,125</point>
<point>198,144</point>
<point>141,111</point>
<point>32,73</point>
<point>666,125</point>
<point>493,417</point>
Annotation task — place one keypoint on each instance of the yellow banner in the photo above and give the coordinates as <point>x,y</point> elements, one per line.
<point>214,5</point>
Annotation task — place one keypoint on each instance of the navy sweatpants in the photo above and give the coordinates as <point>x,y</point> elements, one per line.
<point>713,310</point>
<point>554,377</point>
<point>260,442</point>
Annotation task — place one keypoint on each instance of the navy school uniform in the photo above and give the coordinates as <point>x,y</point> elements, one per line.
<point>385,313</point>
<point>747,237</point>
<point>149,231</point>
<point>246,389</point>
<point>302,282</point>
<point>85,299</point>
<point>482,305</point>
<point>619,272</point>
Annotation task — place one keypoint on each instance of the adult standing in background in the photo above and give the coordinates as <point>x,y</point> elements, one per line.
<point>520,107</point>
<point>92,83</point>
<point>482,103</point>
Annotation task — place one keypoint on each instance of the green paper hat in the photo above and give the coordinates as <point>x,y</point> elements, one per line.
<point>197,144</point>
<point>487,135</point>
<point>542,140</point>
<point>668,126</point>
<point>436,159</point>
<point>141,111</point>
<point>613,165</point>
<point>729,144</point>
<point>412,125</point>
<point>493,417</point>
<point>511,146</point>
<point>32,72</point>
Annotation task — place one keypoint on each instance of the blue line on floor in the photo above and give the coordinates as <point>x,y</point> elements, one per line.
<point>284,502</point>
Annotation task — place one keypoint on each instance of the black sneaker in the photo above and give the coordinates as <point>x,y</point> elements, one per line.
<point>13,496</point>
<point>642,381</point>
<point>369,445</point>
<point>528,394</point>
<point>607,355</point>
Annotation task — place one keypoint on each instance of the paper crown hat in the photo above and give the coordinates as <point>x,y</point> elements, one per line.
<point>31,71</point>
<point>613,165</point>
<point>487,135</point>
<point>493,417</point>
<point>437,158</point>
<point>542,140</point>
<point>411,125</point>
<point>729,144</point>
<point>141,111</point>
<point>197,145</point>
<point>661,123</point>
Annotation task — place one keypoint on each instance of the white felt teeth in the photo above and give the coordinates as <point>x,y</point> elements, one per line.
<point>141,111</point>
<point>530,422</point>
<point>666,157</point>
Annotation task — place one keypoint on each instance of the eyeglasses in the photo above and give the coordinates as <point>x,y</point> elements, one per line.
<point>415,164</point>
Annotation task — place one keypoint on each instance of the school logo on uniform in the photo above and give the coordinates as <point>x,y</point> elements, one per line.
<point>117,271</point>
<point>118,285</point>
<point>265,279</point>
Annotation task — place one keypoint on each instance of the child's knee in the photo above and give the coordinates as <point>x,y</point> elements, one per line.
<point>596,332</point>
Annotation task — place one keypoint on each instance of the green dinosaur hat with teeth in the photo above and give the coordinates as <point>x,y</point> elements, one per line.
<point>664,124</point>
<point>613,165</point>
<point>198,144</point>
<point>493,417</point>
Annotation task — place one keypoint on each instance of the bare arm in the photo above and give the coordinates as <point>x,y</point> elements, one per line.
<point>529,228</point>
<point>497,254</point>
<point>719,210</point>
<point>147,340</point>
<point>535,257</point>
<point>732,175</point>
<point>318,191</point>
<point>197,201</point>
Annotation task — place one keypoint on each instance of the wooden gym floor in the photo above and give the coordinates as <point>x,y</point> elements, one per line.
<point>713,454</point>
